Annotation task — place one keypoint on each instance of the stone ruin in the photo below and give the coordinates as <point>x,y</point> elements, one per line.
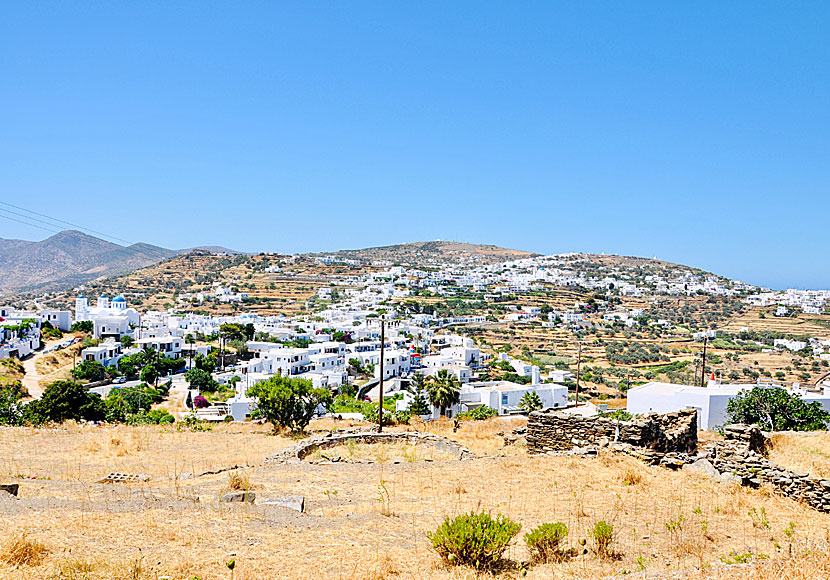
<point>299,451</point>
<point>557,431</point>
<point>671,441</point>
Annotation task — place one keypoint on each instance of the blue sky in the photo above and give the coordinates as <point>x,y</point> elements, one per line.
<point>695,132</point>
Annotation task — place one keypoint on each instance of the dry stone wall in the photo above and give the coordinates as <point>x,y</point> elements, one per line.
<point>551,430</point>
<point>671,441</point>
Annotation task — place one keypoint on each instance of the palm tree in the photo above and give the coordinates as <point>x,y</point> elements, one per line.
<point>530,402</point>
<point>444,390</point>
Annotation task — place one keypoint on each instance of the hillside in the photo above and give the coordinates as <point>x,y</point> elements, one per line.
<point>68,258</point>
<point>433,253</point>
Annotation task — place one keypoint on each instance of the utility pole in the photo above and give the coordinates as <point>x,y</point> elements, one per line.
<point>158,355</point>
<point>578,364</point>
<point>703,364</point>
<point>221,354</point>
<point>380,384</point>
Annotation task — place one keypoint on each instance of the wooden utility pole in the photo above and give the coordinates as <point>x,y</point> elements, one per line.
<point>380,384</point>
<point>703,365</point>
<point>578,364</point>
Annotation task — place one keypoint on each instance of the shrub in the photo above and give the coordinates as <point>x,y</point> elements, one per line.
<point>199,402</point>
<point>544,543</point>
<point>603,536</point>
<point>474,539</point>
<point>479,413</point>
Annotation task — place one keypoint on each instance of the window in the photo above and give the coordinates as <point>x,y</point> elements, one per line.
<point>504,399</point>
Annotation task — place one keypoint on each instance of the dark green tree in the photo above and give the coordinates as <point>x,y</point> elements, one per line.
<point>89,370</point>
<point>63,401</point>
<point>200,379</point>
<point>774,409</point>
<point>289,403</point>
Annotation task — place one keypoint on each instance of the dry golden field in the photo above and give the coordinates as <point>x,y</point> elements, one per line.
<point>370,521</point>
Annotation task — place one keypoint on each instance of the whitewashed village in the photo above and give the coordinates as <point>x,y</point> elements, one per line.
<point>339,347</point>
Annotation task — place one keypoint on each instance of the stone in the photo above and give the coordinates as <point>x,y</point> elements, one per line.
<point>729,478</point>
<point>292,502</point>
<point>10,488</point>
<point>702,466</point>
<point>239,497</point>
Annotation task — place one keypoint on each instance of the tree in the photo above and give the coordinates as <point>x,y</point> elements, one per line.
<point>444,390</point>
<point>530,402</point>
<point>289,403</point>
<point>419,405</point>
<point>201,380</point>
<point>62,401</point>
<point>82,326</point>
<point>10,408</point>
<point>206,363</point>
<point>127,341</point>
<point>774,409</point>
<point>90,370</point>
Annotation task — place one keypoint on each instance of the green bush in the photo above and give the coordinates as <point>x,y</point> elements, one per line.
<point>479,413</point>
<point>603,536</point>
<point>544,543</point>
<point>474,539</point>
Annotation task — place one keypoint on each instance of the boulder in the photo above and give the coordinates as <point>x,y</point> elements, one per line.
<point>292,502</point>
<point>10,488</point>
<point>702,466</point>
<point>239,497</point>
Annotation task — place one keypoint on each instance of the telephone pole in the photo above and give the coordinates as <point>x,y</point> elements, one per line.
<point>703,365</point>
<point>380,384</point>
<point>578,364</point>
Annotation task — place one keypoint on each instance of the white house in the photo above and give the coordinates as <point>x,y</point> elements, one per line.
<point>710,402</point>
<point>57,318</point>
<point>107,353</point>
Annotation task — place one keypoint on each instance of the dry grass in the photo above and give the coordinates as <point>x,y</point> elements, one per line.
<point>808,452</point>
<point>21,550</point>
<point>371,521</point>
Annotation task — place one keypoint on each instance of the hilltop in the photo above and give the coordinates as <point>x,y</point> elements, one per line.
<point>70,258</point>
<point>432,253</point>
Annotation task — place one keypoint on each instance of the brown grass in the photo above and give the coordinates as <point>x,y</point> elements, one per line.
<point>371,521</point>
<point>21,550</point>
<point>808,452</point>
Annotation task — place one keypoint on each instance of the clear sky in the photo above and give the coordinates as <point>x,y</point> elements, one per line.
<point>697,132</point>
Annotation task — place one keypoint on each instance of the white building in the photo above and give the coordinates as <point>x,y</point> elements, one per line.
<point>710,402</point>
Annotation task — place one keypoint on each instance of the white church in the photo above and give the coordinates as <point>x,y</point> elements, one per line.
<point>110,319</point>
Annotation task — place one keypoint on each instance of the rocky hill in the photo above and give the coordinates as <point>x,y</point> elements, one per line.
<point>69,258</point>
<point>433,253</point>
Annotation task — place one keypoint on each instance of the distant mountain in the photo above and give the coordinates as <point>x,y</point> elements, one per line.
<point>67,259</point>
<point>433,253</point>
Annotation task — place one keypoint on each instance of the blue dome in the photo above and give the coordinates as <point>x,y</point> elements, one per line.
<point>103,295</point>
<point>118,298</point>
<point>81,296</point>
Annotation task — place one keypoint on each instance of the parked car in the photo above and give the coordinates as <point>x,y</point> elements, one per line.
<point>119,380</point>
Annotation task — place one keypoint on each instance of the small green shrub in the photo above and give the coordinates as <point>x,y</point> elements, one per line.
<point>479,413</point>
<point>474,539</point>
<point>603,536</point>
<point>545,543</point>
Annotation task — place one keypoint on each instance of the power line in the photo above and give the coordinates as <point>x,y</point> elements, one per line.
<point>119,249</point>
<point>63,222</point>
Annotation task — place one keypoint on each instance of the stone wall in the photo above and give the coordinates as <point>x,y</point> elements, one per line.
<point>300,450</point>
<point>671,441</point>
<point>736,457</point>
<point>551,430</point>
